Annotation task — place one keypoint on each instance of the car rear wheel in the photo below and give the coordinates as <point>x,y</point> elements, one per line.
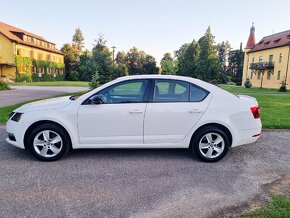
<point>48,142</point>
<point>210,144</point>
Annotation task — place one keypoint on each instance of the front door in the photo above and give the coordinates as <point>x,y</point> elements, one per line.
<point>119,119</point>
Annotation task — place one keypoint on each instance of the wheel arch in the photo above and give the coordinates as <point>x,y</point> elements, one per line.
<point>218,125</point>
<point>40,122</point>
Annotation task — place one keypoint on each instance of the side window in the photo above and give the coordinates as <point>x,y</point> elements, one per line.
<point>197,94</point>
<point>125,92</point>
<point>171,91</point>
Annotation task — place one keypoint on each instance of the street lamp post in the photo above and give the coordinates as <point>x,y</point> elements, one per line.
<point>113,47</point>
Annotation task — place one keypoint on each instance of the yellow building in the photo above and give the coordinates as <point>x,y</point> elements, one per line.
<point>26,56</point>
<point>266,63</point>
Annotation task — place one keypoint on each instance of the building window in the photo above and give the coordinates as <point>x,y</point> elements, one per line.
<point>280,58</point>
<point>279,75</point>
<point>276,41</point>
<point>266,43</point>
<point>18,51</point>
<point>260,59</point>
<point>268,75</point>
<point>259,75</point>
<point>253,60</point>
<point>270,58</point>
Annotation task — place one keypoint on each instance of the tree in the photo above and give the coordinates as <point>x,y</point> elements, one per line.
<point>188,59</point>
<point>133,59</point>
<point>120,57</point>
<point>138,62</point>
<point>95,82</point>
<point>103,60</point>
<point>208,66</point>
<point>78,39</point>
<point>223,49</point>
<point>235,66</point>
<point>70,60</point>
<point>168,65</point>
<point>87,66</point>
<point>120,70</point>
<point>149,65</point>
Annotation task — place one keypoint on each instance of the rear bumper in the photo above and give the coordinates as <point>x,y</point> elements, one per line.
<point>247,136</point>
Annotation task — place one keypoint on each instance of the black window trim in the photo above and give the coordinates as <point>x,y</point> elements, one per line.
<point>152,87</point>
<point>144,100</point>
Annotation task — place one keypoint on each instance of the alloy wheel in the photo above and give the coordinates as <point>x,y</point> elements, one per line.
<point>211,145</point>
<point>47,143</point>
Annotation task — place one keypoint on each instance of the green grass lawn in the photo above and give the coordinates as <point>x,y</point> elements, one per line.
<point>275,110</point>
<point>278,207</point>
<point>52,83</point>
<point>241,89</point>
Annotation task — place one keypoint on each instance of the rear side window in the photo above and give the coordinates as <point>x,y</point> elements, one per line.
<point>171,91</point>
<point>197,94</point>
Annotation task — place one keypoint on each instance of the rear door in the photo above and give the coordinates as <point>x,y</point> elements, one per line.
<point>175,108</point>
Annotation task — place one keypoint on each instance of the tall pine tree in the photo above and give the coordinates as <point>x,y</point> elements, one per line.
<point>208,66</point>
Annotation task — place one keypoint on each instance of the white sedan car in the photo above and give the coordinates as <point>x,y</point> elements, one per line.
<point>146,111</point>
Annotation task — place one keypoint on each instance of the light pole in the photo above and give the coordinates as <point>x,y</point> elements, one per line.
<point>113,47</point>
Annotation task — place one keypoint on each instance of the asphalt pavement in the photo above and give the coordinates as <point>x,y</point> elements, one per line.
<point>20,94</point>
<point>137,183</point>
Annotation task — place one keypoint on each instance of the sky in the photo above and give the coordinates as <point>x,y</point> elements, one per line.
<point>155,26</point>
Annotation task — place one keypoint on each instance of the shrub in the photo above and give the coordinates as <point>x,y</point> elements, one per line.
<point>283,87</point>
<point>24,77</point>
<point>74,76</point>
<point>248,83</point>
<point>95,82</point>
<point>3,85</point>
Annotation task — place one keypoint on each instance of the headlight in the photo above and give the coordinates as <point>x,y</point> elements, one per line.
<point>17,117</point>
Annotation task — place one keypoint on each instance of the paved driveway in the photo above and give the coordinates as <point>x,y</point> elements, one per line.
<point>24,93</point>
<point>137,183</point>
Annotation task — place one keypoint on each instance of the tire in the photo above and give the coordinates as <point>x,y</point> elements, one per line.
<point>48,142</point>
<point>210,144</point>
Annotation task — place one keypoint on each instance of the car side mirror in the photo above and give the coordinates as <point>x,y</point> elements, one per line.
<point>96,100</point>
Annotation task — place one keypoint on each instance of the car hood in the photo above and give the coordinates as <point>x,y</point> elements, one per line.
<point>48,104</point>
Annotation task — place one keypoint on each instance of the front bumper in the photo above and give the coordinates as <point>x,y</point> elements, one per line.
<point>17,129</point>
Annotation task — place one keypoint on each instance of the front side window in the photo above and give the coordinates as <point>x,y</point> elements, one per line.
<point>124,92</point>
<point>171,91</point>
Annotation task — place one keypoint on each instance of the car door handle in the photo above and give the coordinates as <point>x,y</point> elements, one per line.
<point>195,111</point>
<point>136,112</point>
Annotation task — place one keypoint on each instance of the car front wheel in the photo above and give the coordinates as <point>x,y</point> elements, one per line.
<point>210,144</point>
<point>48,142</point>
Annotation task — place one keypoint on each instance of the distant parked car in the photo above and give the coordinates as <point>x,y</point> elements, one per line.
<point>146,111</point>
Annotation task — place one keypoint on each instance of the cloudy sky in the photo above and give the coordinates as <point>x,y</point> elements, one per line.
<point>155,26</point>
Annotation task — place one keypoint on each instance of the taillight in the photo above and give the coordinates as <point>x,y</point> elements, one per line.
<point>256,112</point>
